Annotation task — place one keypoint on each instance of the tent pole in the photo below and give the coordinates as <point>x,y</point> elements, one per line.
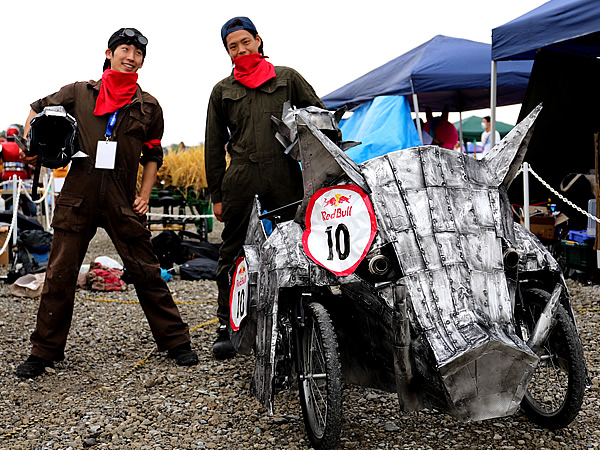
<point>493,94</point>
<point>418,121</point>
<point>596,190</point>
<point>460,131</point>
<point>416,108</point>
<point>526,219</point>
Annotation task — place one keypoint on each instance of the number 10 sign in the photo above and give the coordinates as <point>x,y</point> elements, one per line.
<point>238,298</point>
<point>340,227</point>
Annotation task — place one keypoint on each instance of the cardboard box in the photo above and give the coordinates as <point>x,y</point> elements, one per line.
<point>3,234</point>
<point>543,225</point>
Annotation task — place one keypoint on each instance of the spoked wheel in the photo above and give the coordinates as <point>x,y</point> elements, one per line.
<point>320,378</point>
<point>555,392</point>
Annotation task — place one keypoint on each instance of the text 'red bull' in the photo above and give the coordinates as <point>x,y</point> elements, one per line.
<point>337,213</point>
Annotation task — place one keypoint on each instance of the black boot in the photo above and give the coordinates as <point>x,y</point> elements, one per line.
<point>33,367</point>
<point>222,347</point>
<point>183,355</point>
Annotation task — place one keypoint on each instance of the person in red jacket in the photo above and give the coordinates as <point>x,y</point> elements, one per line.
<point>11,161</point>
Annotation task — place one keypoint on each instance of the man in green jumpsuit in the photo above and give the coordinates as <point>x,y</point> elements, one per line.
<point>239,123</point>
<point>100,191</point>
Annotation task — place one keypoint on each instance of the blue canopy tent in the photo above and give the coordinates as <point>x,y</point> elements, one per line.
<point>570,26</point>
<point>382,125</point>
<point>563,37</point>
<point>443,71</point>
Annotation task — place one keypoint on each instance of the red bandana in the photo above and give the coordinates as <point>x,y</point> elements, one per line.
<point>116,90</point>
<point>252,70</point>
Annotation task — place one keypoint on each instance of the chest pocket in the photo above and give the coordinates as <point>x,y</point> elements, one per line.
<point>138,123</point>
<point>234,104</point>
<point>277,94</point>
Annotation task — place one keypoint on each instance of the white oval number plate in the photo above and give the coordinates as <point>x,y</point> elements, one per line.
<point>340,227</point>
<point>238,299</point>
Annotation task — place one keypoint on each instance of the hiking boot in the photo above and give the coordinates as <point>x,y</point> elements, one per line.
<point>33,367</point>
<point>183,355</point>
<point>222,347</point>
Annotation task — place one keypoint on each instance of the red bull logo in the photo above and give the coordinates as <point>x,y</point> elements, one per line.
<point>337,200</point>
<point>241,277</point>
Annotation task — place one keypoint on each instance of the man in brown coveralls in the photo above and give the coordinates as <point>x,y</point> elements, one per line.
<point>239,117</point>
<point>100,191</point>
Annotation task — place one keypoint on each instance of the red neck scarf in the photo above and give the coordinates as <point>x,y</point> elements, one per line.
<point>253,70</point>
<point>116,90</point>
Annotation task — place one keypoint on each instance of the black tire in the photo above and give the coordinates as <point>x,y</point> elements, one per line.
<point>556,389</point>
<point>320,378</point>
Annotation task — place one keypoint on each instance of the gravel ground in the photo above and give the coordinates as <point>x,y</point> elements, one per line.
<point>106,394</point>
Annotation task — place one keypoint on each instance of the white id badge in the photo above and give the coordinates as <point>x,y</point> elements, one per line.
<point>106,154</point>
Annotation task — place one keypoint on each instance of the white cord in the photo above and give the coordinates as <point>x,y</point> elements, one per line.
<point>178,216</point>
<point>563,198</point>
<point>46,192</point>
<point>14,217</point>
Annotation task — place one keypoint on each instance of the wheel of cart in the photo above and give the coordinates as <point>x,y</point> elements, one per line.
<point>174,203</point>
<point>171,204</point>
<point>555,393</point>
<point>201,207</point>
<point>305,332</point>
<point>319,376</point>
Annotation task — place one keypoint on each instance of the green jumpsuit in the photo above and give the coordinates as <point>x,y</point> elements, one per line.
<point>239,120</point>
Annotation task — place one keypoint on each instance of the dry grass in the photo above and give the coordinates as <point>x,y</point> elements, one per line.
<point>182,169</point>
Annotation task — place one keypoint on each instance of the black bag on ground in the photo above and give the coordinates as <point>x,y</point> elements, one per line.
<point>176,248</point>
<point>192,246</point>
<point>28,243</point>
<point>167,247</point>
<point>198,269</point>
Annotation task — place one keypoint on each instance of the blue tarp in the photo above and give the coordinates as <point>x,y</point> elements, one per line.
<point>443,71</point>
<point>571,26</point>
<point>382,125</point>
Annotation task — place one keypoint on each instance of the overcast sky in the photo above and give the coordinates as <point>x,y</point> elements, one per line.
<point>47,44</point>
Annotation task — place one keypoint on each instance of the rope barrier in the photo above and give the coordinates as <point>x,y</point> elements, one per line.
<point>210,322</point>
<point>563,198</point>
<point>46,191</point>
<point>14,219</point>
<point>183,216</point>
<point>133,302</point>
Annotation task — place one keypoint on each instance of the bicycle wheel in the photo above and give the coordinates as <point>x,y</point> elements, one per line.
<point>320,378</point>
<point>555,392</point>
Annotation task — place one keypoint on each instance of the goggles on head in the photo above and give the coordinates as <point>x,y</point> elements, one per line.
<point>128,35</point>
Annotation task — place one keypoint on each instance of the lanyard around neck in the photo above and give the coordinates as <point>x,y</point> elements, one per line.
<point>112,120</point>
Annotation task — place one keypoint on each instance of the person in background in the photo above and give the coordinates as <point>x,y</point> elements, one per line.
<point>120,126</point>
<point>486,136</point>
<point>13,166</point>
<point>443,132</point>
<point>239,123</point>
<point>426,138</point>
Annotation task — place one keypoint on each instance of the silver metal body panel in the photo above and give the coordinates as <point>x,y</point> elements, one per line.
<point>449,314</point>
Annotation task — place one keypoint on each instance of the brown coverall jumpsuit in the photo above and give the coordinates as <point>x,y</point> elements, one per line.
<point>240,118</point>
<point>92,198</point>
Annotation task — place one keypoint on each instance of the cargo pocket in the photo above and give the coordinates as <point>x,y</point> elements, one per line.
<point>132,226</point>
<point>69,215</point>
